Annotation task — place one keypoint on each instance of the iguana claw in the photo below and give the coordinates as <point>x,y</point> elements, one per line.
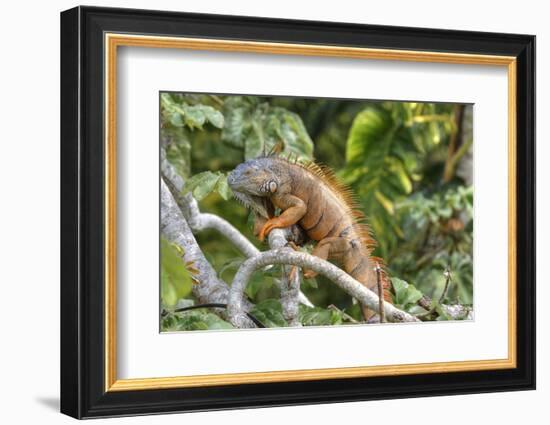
<point>309,274</point>
<point>272,223</point>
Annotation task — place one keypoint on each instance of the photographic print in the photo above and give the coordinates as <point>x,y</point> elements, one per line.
<point>376,193</point>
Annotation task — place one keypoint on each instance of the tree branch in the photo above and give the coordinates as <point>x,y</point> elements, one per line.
<point>212,221</point>
<point>209,289</point>
<point>287,256</point>
<point>290,283</point>
<point>453,311</point>
<point>381,312</point>
<point>458,311</point>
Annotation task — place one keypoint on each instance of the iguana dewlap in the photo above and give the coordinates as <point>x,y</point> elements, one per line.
<point>311,196</point>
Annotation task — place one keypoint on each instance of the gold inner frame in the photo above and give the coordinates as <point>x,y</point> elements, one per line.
<point>113,41</point>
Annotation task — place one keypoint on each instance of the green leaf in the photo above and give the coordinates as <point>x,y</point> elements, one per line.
<point>202,184</point>
<point>258,127</point>
<point>398,170</point>
<point>368,169</point>
<point>293,133</point>
<point>168,292</point>
<point>445,211</point>
<point>175,120</point>
<point>412,296</point>
<point>254,144</point>
<point>193,320</point>
<point>442,315</point>
<point>193,116</point>
<point>215,322</point>
<point>270,313</point>
<point>370,134</point>
<point>250,220</point>
<point>317,316</point>
<point>385,202</point>
<point>176,281</point>
<point>213,116</point>
<point>405,293</point>
<point>233,263</point>
<point>237,113</point>
<point>178,150</point>
<point>259,281</point>
<point>223,188</point>
<point>180,114</point>
<point>400,287</point>
<point>312,283</point>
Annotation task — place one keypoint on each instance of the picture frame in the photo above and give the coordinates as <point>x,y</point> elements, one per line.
<point>90,40</point>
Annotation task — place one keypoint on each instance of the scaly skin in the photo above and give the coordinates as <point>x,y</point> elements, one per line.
<point>310,196</point>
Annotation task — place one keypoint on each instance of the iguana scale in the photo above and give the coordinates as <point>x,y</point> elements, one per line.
<point>311,196</point>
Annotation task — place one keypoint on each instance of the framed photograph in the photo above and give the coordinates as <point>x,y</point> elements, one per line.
<point>261,212</point>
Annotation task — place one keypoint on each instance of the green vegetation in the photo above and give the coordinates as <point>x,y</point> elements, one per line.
<point>406,162</point>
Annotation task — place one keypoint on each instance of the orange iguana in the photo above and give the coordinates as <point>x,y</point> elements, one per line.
<point>312,197</point>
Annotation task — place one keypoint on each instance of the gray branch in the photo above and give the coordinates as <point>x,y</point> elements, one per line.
<point>212,221</point>
<point>452,311</point>
<point>290,283</point>
<point>287,256</point>
<point>458,311</point>
<point>174,227</point>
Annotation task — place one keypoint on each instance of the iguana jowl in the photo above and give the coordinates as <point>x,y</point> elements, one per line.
<point>311,196</point>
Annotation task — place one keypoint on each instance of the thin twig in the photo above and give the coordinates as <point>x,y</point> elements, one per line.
<point>217,99</point>
<point>448,279</point>
<point>447,274</point>
<point>381,311</point>
<point>343,313</point>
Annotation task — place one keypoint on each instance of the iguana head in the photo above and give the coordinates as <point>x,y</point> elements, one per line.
<point>252,183</point>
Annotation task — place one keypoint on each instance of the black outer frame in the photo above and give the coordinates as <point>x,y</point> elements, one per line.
<point>82,206</point>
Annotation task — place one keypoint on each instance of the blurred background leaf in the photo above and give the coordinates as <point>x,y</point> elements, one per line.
<point>256,126</point>
<point>175,278</point>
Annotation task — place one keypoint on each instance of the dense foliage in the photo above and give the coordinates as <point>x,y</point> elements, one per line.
<point>406,162</point>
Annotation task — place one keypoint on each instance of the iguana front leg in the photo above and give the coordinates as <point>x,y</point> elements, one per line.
<point>293,210</point>
<point>259,223</point>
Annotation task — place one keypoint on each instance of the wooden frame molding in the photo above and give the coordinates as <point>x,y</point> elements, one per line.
<point>114,40</point>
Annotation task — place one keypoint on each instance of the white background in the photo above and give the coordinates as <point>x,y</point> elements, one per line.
<point>141,345</point>
<point>29,227</point>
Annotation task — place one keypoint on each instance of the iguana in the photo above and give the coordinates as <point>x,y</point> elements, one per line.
<point>311,196</point>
